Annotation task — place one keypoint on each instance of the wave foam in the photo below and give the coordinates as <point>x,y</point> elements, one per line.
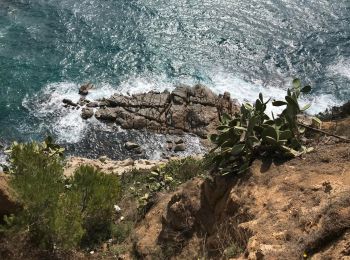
<point>248,92</point>
<point>66,123</point>
<point>341,67</point>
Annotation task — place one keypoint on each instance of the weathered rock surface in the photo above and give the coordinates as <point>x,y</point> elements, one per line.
<point>131,146</point>
<point>336,112</point>
<point>87,112</point>
<point>84,89</point>
<point>179,147</point>
<point>69,102</point>
<point>187,109</point>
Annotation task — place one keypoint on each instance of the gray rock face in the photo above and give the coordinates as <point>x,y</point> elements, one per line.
<point>87,113</point>
<point>186,110</point>
<point>69,102</point>
<point>131,146</point>
<point>180,148</point>
<point>84,89</point>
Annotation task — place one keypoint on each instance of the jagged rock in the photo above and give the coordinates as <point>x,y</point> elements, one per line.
<point>83,101</point>
<point>187,109</point>
<point>139,122</point>
<point>109,114</point>
<point>92,104</point>
<point>182,94</point>
<point>336,112</point>
<point>87,113</point>
<point>179,141</point>
<point>180,148</point>
<point>84,89</point>
<point>203,95</point>
<point>69,102</point>
<point>131,146</point>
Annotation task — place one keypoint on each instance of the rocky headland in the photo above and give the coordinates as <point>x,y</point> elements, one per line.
<point>186,109</point>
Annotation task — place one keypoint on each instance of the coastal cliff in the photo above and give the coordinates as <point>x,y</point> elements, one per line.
<point>279,209</point>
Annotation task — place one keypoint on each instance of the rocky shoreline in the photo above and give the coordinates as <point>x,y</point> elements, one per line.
<point>186,109</point>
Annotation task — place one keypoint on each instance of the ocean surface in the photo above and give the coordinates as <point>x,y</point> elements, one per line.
<point>49,47</point>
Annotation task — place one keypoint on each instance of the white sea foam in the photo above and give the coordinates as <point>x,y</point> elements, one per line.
<point>66,123</point>
<point>341,67</point>
<point>248,92</point>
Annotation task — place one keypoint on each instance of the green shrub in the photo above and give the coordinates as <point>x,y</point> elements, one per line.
<point>252,132</point>
<point>99,193</point>
<point>122,231</point>
<point>37,178</point>
<point>68,221</point>
<point>59,213</point>
<point>143,185</point>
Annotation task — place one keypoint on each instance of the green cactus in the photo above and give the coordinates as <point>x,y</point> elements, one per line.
<point>252,132</point>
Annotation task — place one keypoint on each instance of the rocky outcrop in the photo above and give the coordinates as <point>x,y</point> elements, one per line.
<point>336,112</point>
<point>87,112</point>
<point>185,110</point>
<point>84,89</point>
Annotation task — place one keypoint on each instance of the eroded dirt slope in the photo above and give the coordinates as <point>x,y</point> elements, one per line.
<point>292,210</point>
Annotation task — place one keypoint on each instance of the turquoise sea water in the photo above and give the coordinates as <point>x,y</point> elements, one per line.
<point>48,48</point>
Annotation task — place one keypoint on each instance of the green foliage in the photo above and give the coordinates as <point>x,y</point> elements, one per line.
<point>59,213</point>
<point>98,194</point>
<point>252,132</point>
<point>122,230</point>
<point>38,182</point>
<point>143,185</point>
<point>68,222</point>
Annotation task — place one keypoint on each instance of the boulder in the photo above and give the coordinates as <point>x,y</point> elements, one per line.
<point>84,89</point>
<point>69,102</point>
<point>87,113</point>
<point>109,114</point>
<point>181,94</point>
<point>179,141</point>
<point>180,148</point>
<point>203,95</point>
<point>93,104</point>
<point>131,146</point>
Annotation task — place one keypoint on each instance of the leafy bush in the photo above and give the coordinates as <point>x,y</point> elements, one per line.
<point>38,182</point>
<point>58,213</point>
<point>143,185</point>
<point>98,194</point>
<point>252,132</point>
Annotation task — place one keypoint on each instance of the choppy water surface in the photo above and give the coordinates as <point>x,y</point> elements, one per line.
<point>48,48</point>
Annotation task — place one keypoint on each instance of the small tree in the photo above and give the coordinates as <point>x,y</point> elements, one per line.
<point>98,194</point>
<point>58,213</point>
<point>37,178</point>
